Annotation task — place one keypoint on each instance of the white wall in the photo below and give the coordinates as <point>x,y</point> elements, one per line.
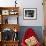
<point>7,3</point>
<point>31,4</point>
<point>27,4</point>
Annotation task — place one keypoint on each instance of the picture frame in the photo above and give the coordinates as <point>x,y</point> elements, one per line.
<point>5,12</point>
<point>30,13</point>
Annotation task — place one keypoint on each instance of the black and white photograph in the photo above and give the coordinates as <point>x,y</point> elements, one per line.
<point>30,13</point>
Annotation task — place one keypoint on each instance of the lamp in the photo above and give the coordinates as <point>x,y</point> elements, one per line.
<point>15,3</point>
<point>15,30</point>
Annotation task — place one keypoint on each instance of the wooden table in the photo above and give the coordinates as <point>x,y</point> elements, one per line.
<point>9,43</point>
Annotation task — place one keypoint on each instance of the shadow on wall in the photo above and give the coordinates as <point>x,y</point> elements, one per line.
<point>37,29</point>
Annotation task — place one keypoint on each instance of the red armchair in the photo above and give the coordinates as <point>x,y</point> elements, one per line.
<point>29,34</point>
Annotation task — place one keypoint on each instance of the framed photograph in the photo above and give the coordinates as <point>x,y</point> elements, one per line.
<point>5,12</point>
<point>30,13</point>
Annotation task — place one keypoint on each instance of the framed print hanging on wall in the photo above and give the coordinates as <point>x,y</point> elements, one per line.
<point>30,13</point>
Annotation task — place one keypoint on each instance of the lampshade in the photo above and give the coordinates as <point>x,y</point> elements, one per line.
<point>15,30</point>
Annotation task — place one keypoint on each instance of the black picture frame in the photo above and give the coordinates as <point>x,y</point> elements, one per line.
<point>29,13</point>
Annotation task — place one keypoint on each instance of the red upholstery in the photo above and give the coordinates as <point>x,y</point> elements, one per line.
<point>29,33</point>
